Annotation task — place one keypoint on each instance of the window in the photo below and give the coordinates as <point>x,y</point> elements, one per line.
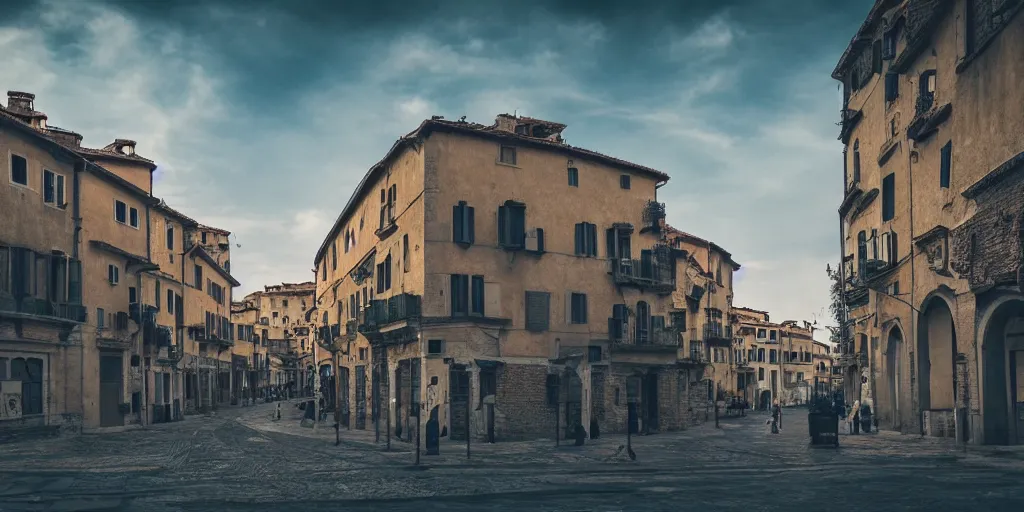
<point>170,302</point>
<point>113,274</point>
<point>53,189</point>
<point>101,318</point>
<point>435,346</point>
<point>384,275</point>
<point>643,322</point>
<point>197,275</point>
<point>507,155</point>
<point>862,248</point>
<point>334,256</point>
<point>889,197</point>
<point>772,356</point>
<point>323,271</point>
<point>892,86</point>
<point>574,177</point>
<point>170,236</point>
<point>405,253</point>
<point>459,294</point>
<point>578,308</point>
<point>463,224</point>
<point>512,225</point>
<point>477,296</point>
<point>947,163</point>
<point>156,296</point>
<point>133,218</point>
<point>856,161</point>
<point>19,170</point>
<point>538,311</point>
<point>120,212</point>
<point>586,239</point>
<point>204,237</point>
<point>133,295</point>
<point>889,44</point>
<point>624,181</point>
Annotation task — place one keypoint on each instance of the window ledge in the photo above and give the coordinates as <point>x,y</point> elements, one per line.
<point>386,230</point>
<point>925,124</point>
<point>506,164</point>
<point>888,149</point>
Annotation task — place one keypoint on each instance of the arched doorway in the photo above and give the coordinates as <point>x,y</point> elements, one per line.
<point>936,348</point>
<point>893,359</point>
<point>1002,354</point>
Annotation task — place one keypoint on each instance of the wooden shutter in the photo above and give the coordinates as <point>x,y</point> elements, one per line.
<point>470,229</point>
<point>579,239</point>
<point>537,311</point>
<point>503,231</point>
<point>947,163</point>
<point>477,305</point>
<point>458,234</point>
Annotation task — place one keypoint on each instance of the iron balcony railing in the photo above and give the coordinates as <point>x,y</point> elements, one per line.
<point>642,273</point>
<point>43,308</point>
<point>401,307</point>
<point>654,337</point>
<point>716,330</point>
<point>278,347</point>
<point>351,329</point>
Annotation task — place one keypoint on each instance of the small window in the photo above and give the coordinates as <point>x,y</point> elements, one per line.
<point>120,212</point>
<point>113,274</point>
<point>101,317</point>
<point>624,181</point>
<point>405,253</point>
<point>435,346</point>
<point>19,170</point>
<point>946,165</point>
<point>334,256</point>
<point>156,295</point>
<point>507,155</point>
<point>892,86</point>
<point>463,224</point>
<point>578,308</point>
<point>133,218</point>
<point>574,177</point>
<point>170,301</point>
<point>477,296</point>
<point>170,237</point>
<point>856,161</point>
<point>889,197</point>
<point>133,295</point>
<point>586,239</point>
<point>203,235</point>
<point>53,189</point>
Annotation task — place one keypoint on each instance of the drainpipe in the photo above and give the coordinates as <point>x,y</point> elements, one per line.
<point>142,343</point>
<point>76,240</point>
<point>913,300</point>
<point>844,348</point>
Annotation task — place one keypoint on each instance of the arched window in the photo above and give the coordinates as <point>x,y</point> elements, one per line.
<point>643,322</point>
<point>856,161</point>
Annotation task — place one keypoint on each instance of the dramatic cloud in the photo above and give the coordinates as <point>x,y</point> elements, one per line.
<point>263,115</point>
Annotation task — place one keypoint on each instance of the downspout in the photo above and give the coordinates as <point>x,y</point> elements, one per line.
<point>844,344</point>
<point>913,317</point>
<point>76,240</point>
<point>142,342</point>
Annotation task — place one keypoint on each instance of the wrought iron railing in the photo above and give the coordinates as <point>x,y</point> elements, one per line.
<point>401,307</point>
<point>43,307</point>
<point>716,330</point>
<point>643,273</point>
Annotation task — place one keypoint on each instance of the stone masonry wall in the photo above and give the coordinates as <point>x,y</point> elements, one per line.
<point>521,410</point>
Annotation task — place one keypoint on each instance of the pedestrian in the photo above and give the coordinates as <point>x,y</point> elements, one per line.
<point>776,418</point>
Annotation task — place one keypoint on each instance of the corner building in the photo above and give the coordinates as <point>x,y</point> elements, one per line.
<point>932,215</point>
<point>504,285</point>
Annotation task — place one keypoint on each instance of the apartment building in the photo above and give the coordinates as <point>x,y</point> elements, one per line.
<point>279,323</point>
<point>703,301</point>
<point>781,358</point>
<point>250,361</point>
<point>822,359</point>
<point>465,284</point>
<point>79,260</point>
<point>931,217</point>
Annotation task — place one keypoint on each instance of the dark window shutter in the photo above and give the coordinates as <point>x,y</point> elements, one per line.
<point>518,226</point>
<point>888,197</point>
<point>892,85</point>
<point>947,163</point>
<point>457,225</point>
<point>470,224</point>
<point>593,239</point>
<point>610,242</point>
<point>503,230</point>
<point>540,239</point>
<point>894,248</point>
<point>537,311</point>
<point>478,295</point>
<point>48,187</point>
<point>657,322</point>
<point>579,239</point>
<point>646,264</point>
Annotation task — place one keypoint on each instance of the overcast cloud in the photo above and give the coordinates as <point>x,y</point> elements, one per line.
<point>263,115</point>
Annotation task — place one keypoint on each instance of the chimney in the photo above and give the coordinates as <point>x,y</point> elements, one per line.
<point>122,146</point>
<point>21,101</point>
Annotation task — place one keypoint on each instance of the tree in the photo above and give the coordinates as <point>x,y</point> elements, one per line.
<point>836,304</point>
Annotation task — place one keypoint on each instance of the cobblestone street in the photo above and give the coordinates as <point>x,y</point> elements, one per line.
<point>241,459</point>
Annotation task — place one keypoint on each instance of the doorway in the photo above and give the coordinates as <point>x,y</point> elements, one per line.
<point>573,403</point>
<point>650,402</point>
<point>361,397</point>
<point>892,374</point>
<point>1003,374</point>
<point>111,389</point>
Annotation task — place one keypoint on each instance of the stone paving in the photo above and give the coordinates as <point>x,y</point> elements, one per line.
<point>242,459</point>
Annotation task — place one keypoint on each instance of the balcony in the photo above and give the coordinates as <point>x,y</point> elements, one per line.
<point>927,117</point>
<point>278,347</point>
<point>715,331</point>
<point>653,217</point>
<point>654,340</point>
<point>643,274</point>
<point>379,313</point>
<point>848,119</point>
<point>42,309</point>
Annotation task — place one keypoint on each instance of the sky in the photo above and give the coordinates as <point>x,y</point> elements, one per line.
<point>263,115</point>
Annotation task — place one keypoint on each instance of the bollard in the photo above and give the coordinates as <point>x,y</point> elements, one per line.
<point>279,410</point>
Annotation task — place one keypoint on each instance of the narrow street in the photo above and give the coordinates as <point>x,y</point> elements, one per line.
<point>243,460</point>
